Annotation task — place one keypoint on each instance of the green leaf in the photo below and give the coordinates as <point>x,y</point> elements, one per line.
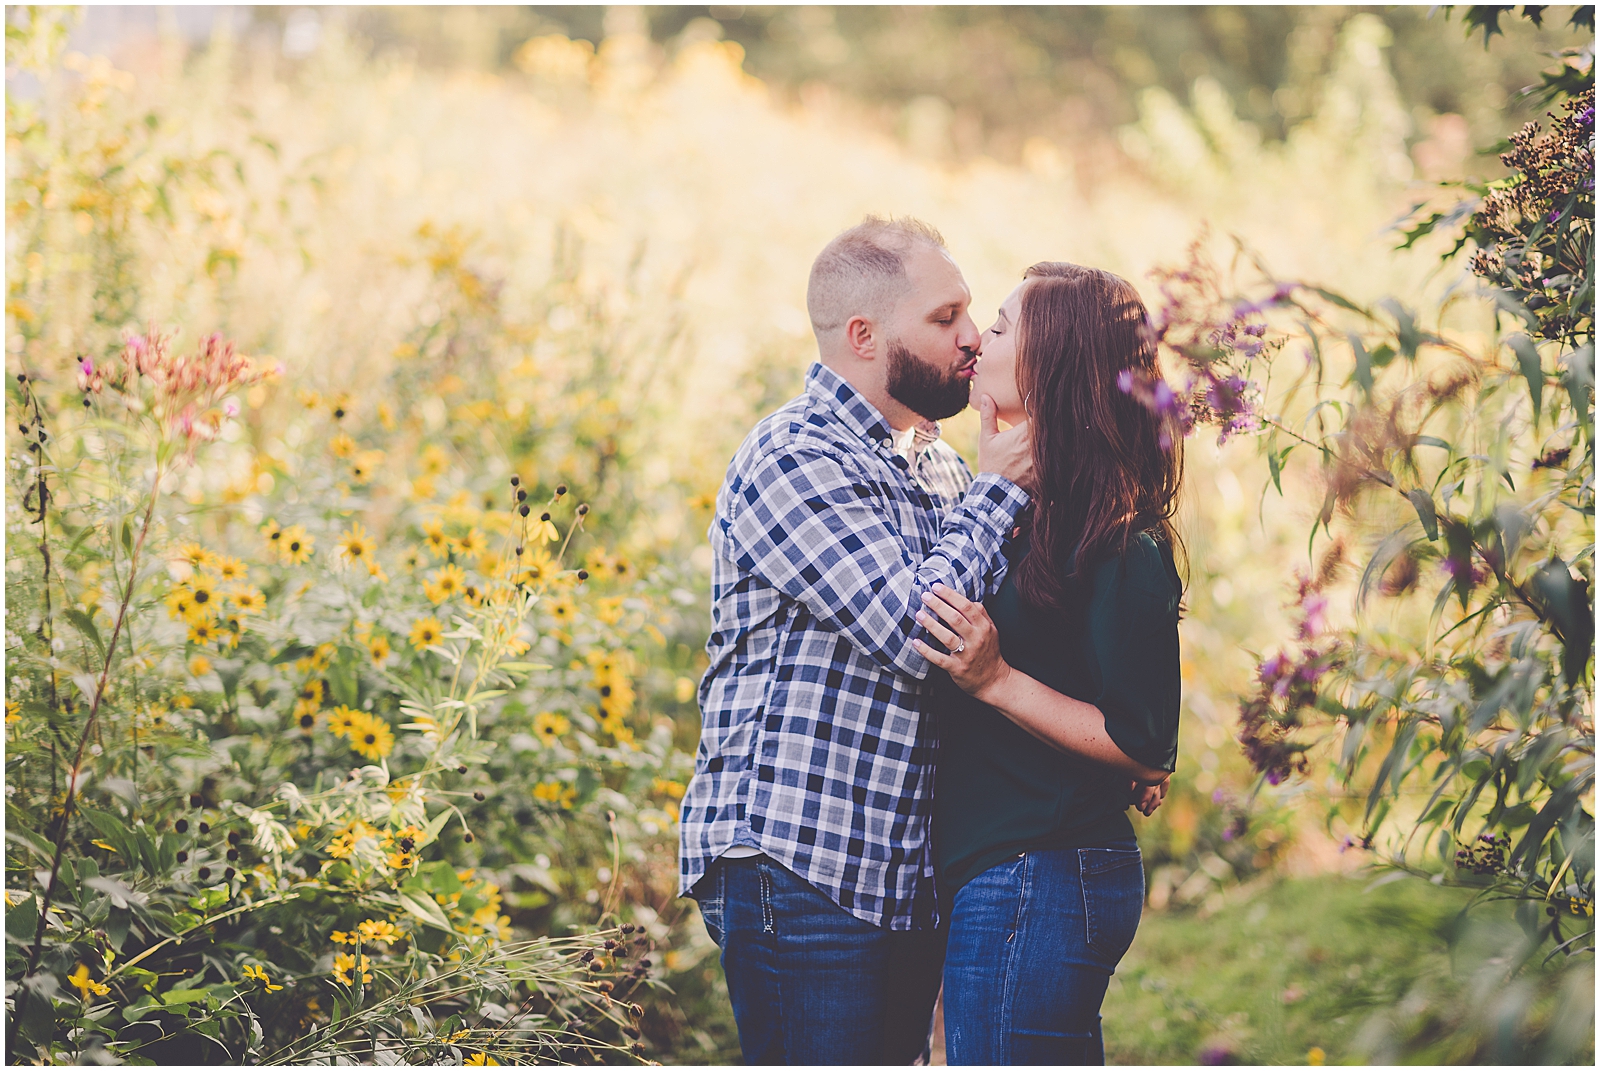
<point>1430,440</point>
<point>23,920</point>
<point>1423,503</point>
<point>1507,303</point>
<point>85,624</point>
<point>1339,300</point>
<point>1528,358</point>
<point>435,824</point>
<point>425,911</point>
<point>127,535</point>
<point>292,653</point>
<point>183,996</point>
<point>1579,379</point>
<point>1363,372</point>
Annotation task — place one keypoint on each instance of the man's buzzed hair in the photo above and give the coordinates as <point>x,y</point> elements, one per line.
<point>862,271</point>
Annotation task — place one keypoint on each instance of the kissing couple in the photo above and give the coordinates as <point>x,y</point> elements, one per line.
<point>933,697</point>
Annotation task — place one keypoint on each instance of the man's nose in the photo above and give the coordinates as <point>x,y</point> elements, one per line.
<point>968,338</point>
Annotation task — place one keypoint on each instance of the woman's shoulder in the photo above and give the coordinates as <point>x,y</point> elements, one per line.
<point>1144,567</point>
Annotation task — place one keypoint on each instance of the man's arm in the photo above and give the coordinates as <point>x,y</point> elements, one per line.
<point>807,525</point>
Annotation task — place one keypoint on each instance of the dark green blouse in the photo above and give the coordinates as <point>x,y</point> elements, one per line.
<point>1001,791</point>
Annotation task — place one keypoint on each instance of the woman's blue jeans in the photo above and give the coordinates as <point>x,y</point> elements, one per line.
<point>1033,943</point>
<point>809,982</point>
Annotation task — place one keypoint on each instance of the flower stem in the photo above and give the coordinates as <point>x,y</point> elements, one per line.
<point>88,728</point>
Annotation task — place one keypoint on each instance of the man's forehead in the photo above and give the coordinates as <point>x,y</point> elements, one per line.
<point>935,278</point>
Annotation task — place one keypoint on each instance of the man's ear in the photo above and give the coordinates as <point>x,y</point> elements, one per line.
<point>860,337</point>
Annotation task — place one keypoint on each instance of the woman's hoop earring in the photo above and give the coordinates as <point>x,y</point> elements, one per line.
<point>1025,408</point>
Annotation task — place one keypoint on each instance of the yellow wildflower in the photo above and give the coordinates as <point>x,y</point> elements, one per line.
<point>199,666</point>
<point>247,600</point>
<point>197,556</point>
<point>610,610</point>
<point>180,601</point>
<point>341,445</point>
<point>379,930</point>
<point>80,978</point>
<point>544,530</point>
<point>378,647</point>
<point>339,937</point>
<point>425,632</point>
<point>231,629</point>
<point>255,973</point>
<point>13,711</point>
<point>564,611</point>
<point>295,545</point>
<point>550,727</point>
<point>375,571</point>
<point>86,985</point>
<point>273,535</point>
<point>344,963</point>
<point>355,545</point>
<point>203,594</point>
<point>556,792</point>
<point>448,581</point>
<point>435,540</point>
<point>400,860</point>
<point>1315,1057</point>
<point>344,721</point>
<point>365,464</point>
<point>434,461</point>
<point>230,569</point>
<point>411,560</point>
<point>683,689</point>
<point>202,632</point>
<point>480,1059</point>
<point>373,740</point>
<point>669,788</point>
<point>471,545</point>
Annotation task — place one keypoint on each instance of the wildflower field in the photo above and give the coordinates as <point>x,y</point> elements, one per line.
<point>366,415</point>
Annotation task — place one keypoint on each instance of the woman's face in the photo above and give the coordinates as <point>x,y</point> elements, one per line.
<point>997,365</point>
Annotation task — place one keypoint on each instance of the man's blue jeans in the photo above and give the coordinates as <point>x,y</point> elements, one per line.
<point>1033,942</point>
<point>810,983</point>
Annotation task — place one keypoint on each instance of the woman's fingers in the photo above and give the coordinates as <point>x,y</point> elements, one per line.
<point>943,661</point>
<point>937,630</point>
<point>962,604</point>
<point>952,616</point>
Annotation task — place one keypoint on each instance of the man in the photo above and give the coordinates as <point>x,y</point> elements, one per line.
<point>805,831</point>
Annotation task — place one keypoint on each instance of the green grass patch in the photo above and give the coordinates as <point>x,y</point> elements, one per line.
<point>1393,974</point>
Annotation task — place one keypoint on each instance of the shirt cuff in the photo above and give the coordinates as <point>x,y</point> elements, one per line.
<point>999,494</point>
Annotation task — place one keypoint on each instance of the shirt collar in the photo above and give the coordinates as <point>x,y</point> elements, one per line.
<point>858,414</point>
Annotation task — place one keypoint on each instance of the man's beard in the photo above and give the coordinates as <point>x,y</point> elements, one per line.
<point>922,388</point>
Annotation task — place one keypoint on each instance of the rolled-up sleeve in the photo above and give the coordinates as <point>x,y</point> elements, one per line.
<point>1133,626</point>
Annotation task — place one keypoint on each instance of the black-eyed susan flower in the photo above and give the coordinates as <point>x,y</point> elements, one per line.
<point>434,539</point>
<point>246,600</point>
<point>199,666</point>
<point>564,611</point>
<point>343,721</point>
<point>378,648</point>
<point>295,545</point>
<point>379,930</point>
<point>197,556</point>
<point>425,632</point>
<point>230,570</point>
<point>273,535</point>
<point>202,632</point>
<point>346,965</point>
<point>341,445</point>
<point>411,560</point>
<point>445,582</point>
<point>355,545</point>
<point>374,740</point>
<point>257,974</point>
<point>203,594</point>
<point>480,1059</point>
<point>472,544</point>
<point>180,601</point>
<point>549,726</point>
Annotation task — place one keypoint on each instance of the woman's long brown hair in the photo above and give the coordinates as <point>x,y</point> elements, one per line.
<point>1105,470</point>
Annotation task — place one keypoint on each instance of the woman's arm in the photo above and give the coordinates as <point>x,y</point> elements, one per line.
<point>975,664</point>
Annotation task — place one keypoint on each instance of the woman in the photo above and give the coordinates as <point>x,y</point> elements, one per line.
<point>1078,650</point>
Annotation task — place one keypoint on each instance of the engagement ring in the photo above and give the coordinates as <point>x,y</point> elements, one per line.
<point>962,646</point>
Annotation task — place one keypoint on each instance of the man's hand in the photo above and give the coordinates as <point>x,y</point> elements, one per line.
<point>1006,453</point>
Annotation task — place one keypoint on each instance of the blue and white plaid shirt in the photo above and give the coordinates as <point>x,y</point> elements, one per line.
<point>814,744</point>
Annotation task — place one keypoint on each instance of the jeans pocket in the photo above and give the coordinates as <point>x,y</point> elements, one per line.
<point>1113,899</point>
<point>708,893</point>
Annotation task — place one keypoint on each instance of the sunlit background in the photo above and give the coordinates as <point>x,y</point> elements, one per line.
<point>471,220</point>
